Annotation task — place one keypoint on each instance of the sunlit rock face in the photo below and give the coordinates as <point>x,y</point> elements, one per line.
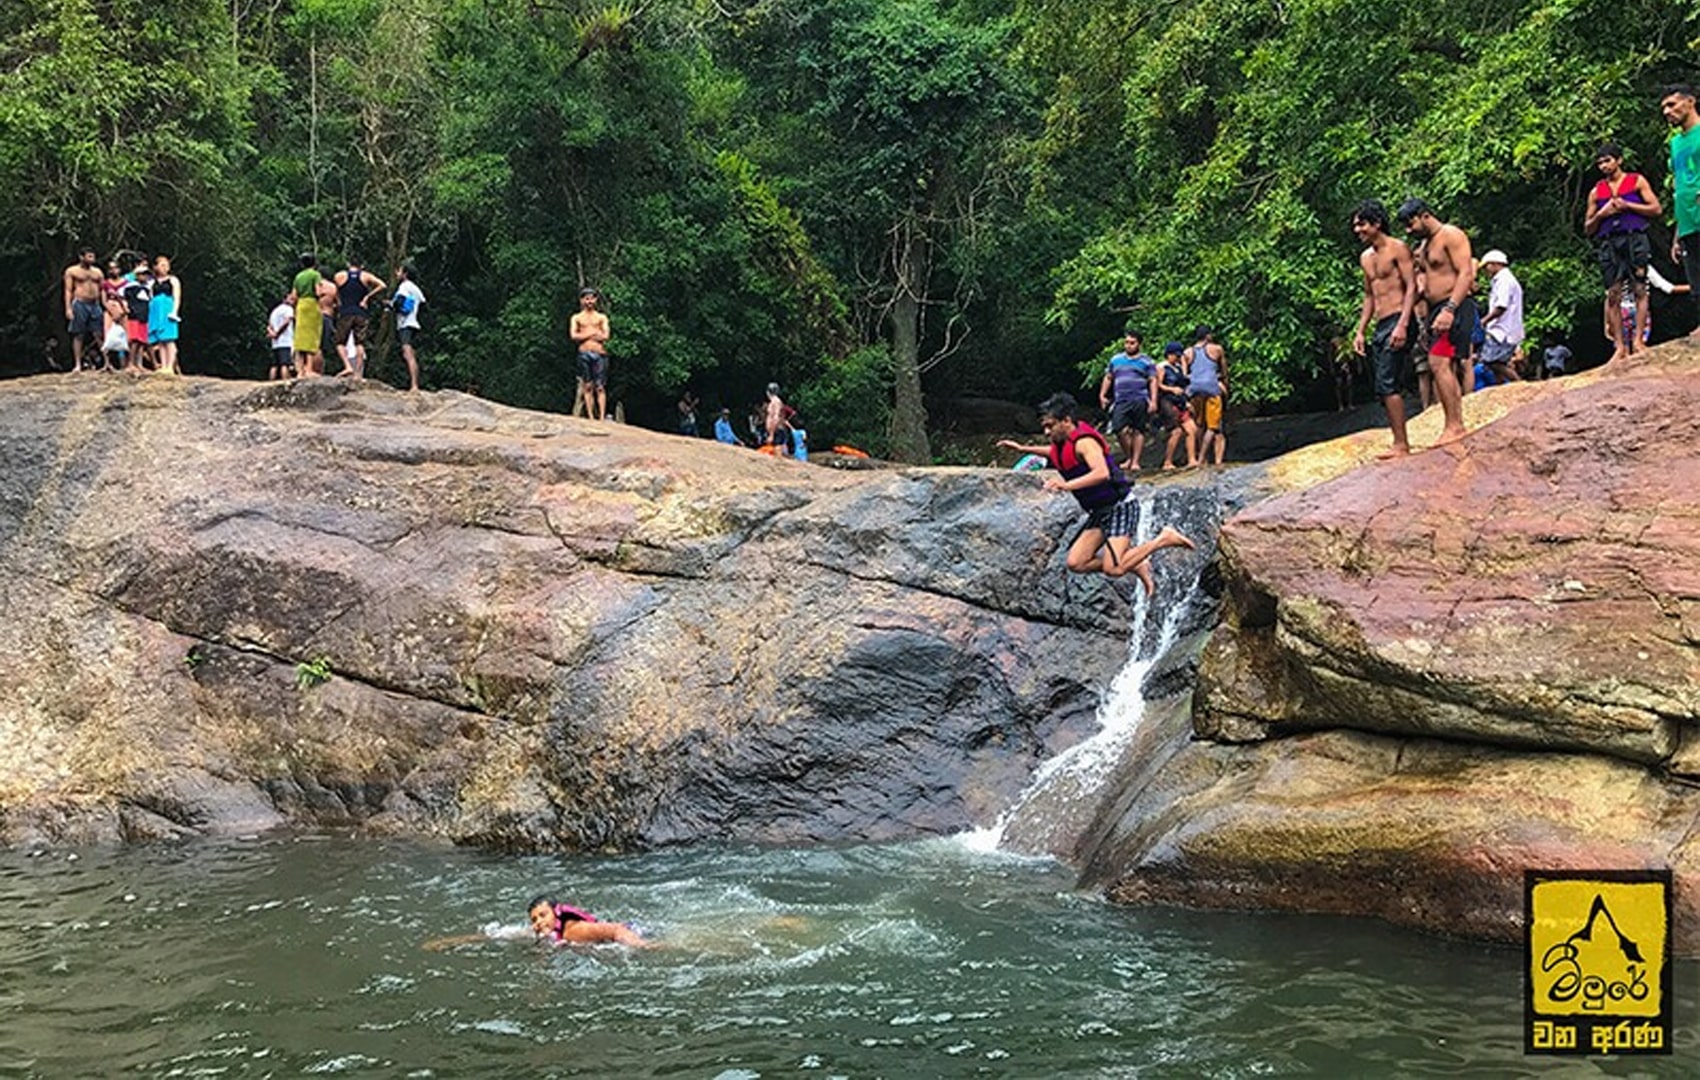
<point>230,607</point>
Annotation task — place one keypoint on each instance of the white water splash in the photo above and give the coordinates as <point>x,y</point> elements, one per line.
<point>1085,765</point>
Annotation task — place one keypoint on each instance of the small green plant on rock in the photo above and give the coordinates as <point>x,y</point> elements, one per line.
<point>194,658</point>
<point>311,673</point>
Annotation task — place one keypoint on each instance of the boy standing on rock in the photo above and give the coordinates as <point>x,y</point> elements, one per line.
<point>1088,471</point>
<point>590,333</point>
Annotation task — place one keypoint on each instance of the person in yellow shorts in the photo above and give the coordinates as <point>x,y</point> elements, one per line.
<point>1207,385</point>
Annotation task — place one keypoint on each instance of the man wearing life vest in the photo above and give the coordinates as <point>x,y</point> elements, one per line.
<point>1088,471</point>
<point>1622,206</point>
<point>568,925</point>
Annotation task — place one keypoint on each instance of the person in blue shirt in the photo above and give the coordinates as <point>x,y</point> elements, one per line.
<point>1128,393</point>
<point>723,429</point>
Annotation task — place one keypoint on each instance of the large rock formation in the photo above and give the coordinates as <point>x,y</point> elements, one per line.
<point>538,632</point>
<point>1437,672</point>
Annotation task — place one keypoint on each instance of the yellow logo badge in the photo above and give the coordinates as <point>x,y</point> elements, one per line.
<point>1597,962</point>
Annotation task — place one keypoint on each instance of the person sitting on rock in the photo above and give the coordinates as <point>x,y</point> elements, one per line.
<point>1088,471</point>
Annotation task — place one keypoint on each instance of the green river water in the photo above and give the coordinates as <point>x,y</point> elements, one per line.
<point>301,955</point>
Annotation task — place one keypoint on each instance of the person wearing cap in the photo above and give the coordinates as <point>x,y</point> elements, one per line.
<point>1170,384</point>
<point>1448,268</point>
<point>1503,326</point>
<point>590,333</point>
<point>1207,385</point>
<point>1619,212</point>
<point>723,429</point>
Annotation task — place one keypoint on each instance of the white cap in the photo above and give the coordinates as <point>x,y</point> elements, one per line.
<point>1497,256</point>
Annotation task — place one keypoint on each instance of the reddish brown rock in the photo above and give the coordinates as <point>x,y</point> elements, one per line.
<point>1435,673</point>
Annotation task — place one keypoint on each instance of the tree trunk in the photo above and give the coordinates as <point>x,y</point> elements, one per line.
<point>908,431</point>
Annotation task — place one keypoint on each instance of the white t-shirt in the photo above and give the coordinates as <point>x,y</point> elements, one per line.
<point>283,321</point>
<point>410,321</point>
<point>1506,292</point>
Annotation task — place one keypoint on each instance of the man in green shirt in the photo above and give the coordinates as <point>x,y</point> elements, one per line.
<point>1677,103</point>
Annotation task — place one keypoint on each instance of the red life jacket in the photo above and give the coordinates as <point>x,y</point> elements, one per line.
<point>1065,458</point>
<point>566,913</point>
<point>1620,223</point>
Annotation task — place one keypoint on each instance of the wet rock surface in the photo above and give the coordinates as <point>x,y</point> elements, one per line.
<point>1435,673</point>
<point>232,606</point>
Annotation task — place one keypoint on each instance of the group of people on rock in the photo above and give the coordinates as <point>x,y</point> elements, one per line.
<point>1421,298</point>
<point>319,314</point>
<point>775,427</point>
<point>123,320</point>
<point>1182,393</point>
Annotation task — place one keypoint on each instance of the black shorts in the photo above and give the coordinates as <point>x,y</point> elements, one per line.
<point>404,334</point>
<point>1119,519</point>
<point>1134,415</point>
<point>1386,362</point>
<point>593,368</point>
<point>1459,334</point>
<point>1172,411</point>
<point>328,341</point>
<point>1624,258</point>
<point>351,324</point>
<point>282,358</point>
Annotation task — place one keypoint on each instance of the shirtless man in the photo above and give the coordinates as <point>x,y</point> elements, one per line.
<point>82,304</point>
<point>590,333</point>
<point>1443,255</point>
<point>1390,292</point>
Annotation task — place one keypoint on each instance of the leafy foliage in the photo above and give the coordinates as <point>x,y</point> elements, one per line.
<point>881,204</point>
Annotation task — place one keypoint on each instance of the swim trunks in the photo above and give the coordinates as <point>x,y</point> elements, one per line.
<point>1624,258</point>
<point>1117,519</point>
<point>1207,411</point>
<point>1456,340</point>
<point>404,334</point>
<point>86,318</point>
<point>593,368</point>
<point>347,324</point>
<point>1387,361</point>
<point>1497,352</point>
<point>1133,415</point>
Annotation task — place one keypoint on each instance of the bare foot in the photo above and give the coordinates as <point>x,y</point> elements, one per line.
<point>1173,537</point>
<point>1143,570</point>
<point>1448,436</point>
<point>1397,450</point>
<point>1168,465</point>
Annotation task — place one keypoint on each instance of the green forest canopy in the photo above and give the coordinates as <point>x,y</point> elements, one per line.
<point>868,201</point>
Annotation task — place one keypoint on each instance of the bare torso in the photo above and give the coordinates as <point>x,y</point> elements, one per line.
<point>590,331</point>
<point>1385,274</point>
<point>326,292</point>
<point>84,281</point>
<point>1443,258</point>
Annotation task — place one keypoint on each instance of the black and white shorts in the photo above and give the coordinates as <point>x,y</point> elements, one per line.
<point>1120,519</point>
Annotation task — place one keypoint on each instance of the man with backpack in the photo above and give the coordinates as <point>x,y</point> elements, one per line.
<point>408,299</point>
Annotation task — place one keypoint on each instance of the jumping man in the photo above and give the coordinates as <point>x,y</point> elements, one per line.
<point>1088,471</point>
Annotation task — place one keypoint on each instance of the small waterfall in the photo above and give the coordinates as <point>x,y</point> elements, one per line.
<point>1066,788</point>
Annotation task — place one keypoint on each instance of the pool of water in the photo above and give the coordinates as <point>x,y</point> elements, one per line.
<point>302,955</point>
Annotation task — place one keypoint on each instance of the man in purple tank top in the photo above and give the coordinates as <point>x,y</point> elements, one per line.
<point>1618,211</point>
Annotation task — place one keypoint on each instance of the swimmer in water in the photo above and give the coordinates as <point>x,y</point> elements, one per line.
<point>567,925</point>
<point>561,924</point>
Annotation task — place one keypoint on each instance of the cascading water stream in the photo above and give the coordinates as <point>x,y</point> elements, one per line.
<point>1062,784</point>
